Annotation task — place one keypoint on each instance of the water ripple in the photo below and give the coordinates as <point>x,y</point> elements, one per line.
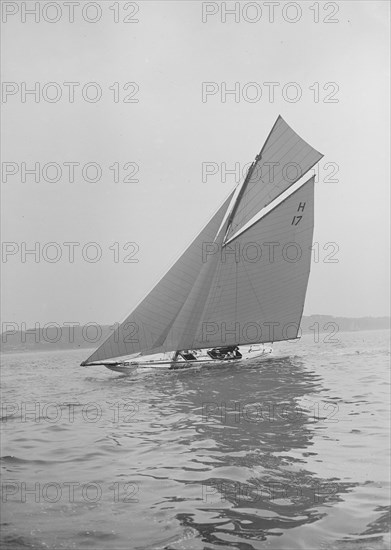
<point>291,453</point>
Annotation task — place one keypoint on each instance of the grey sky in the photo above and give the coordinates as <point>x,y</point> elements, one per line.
<point>170,132</point>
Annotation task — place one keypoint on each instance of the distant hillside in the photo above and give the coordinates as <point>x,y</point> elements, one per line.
<point>86,337</point>
<point>345,324</point>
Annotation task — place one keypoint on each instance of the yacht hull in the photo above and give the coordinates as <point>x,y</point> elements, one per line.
<point>203,360</point>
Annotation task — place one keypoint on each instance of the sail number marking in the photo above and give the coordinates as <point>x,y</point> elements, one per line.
<point>297,219</point>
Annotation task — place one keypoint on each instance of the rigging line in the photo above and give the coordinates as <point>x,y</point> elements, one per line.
<point>236,289</point>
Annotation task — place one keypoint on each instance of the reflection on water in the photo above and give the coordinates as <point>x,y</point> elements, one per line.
<point>274,455</point>
<point>253,420</point>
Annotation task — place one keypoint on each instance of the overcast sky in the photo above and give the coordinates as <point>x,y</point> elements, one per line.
<point>171,131</point>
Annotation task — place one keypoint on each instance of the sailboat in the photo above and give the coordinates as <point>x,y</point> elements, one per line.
<point>241,284</point>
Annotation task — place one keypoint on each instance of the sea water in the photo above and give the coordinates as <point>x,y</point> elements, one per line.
<point>288,453</point>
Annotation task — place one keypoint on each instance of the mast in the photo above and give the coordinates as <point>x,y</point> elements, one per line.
<point>239,197</point>
<point>247,179</point>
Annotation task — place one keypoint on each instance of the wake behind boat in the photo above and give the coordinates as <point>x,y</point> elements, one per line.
<point>241,283</point>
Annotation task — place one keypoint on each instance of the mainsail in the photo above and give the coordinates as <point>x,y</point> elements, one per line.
<point>259,287</point>
<point>243,280</point>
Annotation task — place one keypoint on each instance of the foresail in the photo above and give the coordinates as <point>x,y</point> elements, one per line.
<point>184,328</point>
<point>145,330</point>
<point>283,160</point>
<point>258,290</point>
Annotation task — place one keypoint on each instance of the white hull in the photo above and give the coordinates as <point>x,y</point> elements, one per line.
<point>258,352</point>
